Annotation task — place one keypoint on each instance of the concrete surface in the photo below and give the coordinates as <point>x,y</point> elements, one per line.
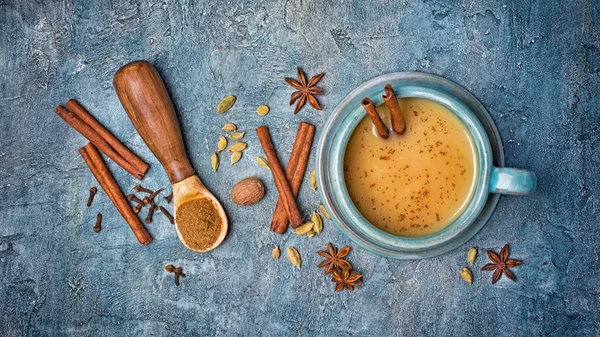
<point>534,64</point>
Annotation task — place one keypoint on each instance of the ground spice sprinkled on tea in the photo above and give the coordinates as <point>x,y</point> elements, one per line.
<point>199,223</point>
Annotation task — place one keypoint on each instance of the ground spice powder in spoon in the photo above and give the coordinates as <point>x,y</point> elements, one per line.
<point>199,223</point>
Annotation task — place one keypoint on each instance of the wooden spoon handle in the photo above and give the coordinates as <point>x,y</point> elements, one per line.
<point>144,96</point>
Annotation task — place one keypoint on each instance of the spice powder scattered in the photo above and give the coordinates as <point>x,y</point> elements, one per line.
<point>199,223</point>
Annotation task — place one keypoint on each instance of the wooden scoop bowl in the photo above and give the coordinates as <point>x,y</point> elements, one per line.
<point>144,96</point>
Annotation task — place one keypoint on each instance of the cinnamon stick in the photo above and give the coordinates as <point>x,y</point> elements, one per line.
<point>398,123</point>
<point>368,105</point>
<point>279,221</point>
<point>100,171</point>
<point>94,137</point>
<point>281,182</point>
<point>294,173</point>
<point>74,106</point>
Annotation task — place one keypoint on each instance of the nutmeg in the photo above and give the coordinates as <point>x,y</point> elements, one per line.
<point>247,191</point>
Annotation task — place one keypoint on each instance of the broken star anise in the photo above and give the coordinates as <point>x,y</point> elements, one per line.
<point>334,259</point>
<point>306,90</point>
<point>346,279</point>
<point>501,264</point>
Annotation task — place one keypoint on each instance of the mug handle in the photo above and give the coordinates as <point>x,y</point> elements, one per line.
<point>506,180</point>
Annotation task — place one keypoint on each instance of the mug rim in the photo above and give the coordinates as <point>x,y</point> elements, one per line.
<point>331,150</point>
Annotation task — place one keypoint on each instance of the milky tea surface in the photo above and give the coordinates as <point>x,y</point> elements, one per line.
<point>414,184</point>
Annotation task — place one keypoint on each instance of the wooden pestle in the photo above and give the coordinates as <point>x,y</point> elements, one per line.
<point>144,96</point>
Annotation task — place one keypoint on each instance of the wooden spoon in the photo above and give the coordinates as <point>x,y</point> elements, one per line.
<point>144,96</point>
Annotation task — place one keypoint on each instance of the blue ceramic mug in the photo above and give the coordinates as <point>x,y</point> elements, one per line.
<point>490,180</point>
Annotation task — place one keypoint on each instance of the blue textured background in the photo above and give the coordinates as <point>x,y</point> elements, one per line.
<point>534,64</point>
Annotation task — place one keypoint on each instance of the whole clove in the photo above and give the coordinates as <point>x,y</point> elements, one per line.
<point>150,212</point>
<point>155,193</point>
<point>93,191</point>
<point>134,198</point>
<point>98,225</point>
<point>168,198</point>
<point>177,271</point>
<point>140,188</point>
<point>167,214</point>
<point>138,208</point>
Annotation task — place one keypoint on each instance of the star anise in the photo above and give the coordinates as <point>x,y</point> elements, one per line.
<point>334,259</point>
<point>346,279</point>
<point>306,90</point>
<point>501,264</point>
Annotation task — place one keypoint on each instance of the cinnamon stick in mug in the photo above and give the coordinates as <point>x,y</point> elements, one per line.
<point>368,105</point>
<point>398,124</point>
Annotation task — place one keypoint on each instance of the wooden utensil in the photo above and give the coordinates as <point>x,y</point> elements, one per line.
<point>144,96</point>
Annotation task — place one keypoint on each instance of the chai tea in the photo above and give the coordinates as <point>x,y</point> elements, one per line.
<point>415,184</point>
